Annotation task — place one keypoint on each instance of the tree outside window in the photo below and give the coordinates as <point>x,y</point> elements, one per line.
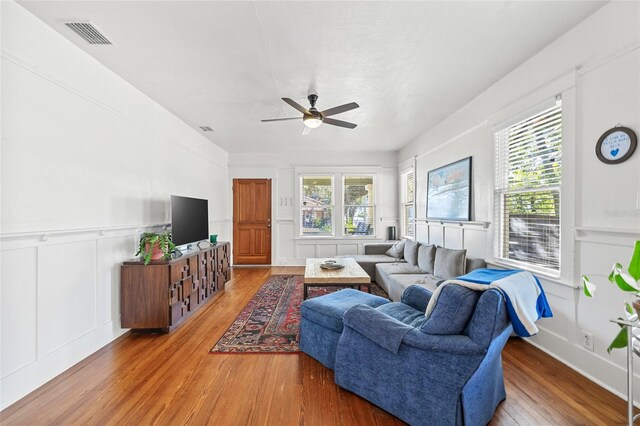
<point>317,205</point>
<point>528,177</point>
<point>359,205</point>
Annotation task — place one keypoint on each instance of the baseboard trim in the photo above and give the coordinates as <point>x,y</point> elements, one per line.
<point>606,368</point>
<point>45,371</point>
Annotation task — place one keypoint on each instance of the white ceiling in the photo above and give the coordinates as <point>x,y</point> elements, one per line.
<point>227,64</point>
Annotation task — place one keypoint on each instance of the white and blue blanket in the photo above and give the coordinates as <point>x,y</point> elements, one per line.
<point>525,298</point>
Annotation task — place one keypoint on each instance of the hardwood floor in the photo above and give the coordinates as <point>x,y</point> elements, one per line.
<point>171,379</point>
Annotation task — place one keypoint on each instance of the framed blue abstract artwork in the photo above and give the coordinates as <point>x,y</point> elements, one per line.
<point>449,191</point>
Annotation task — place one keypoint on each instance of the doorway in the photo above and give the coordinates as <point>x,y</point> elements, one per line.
<point>252,221</point>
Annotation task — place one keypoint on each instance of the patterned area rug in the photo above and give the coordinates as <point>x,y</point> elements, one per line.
<point>270,323</point>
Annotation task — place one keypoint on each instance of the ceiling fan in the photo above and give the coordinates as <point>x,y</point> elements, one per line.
<point>313,118</point>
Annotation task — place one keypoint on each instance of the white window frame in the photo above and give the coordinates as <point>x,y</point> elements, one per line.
<point>404,202</point>
<point>373,176</point>
<point>301,178</point>
<point>567,151</point>
<point>337,173</point>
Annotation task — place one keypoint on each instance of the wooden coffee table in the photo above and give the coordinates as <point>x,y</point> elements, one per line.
<point>352,275</point>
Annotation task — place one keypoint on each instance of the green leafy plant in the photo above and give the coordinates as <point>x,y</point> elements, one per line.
<point>149,240</point>
<point>626,281</point>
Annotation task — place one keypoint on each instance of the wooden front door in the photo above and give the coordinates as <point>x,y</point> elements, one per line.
<point>252,221</point>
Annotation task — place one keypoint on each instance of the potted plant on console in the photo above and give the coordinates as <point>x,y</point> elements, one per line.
<point>155,246</point>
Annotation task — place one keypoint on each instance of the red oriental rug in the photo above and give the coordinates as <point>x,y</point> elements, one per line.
<point>270,323</point>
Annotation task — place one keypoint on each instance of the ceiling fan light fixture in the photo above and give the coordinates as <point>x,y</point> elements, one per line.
<point>312,118</point>
<point>312,122</point>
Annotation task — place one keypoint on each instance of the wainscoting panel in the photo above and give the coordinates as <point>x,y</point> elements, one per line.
<point>563,310</point>
<point>305,251</point>
<point>472,236</point>
<point>67,307</point>
<point>453,238</point>
<point>326,250</point>
<point>285,234</point>
<point>111,252</point>
<point>346,249</point>
<point>434,234</point>
<point>475,241</point>
<point>18,314</point>
<point>59,301</point>
<point>306,248</point>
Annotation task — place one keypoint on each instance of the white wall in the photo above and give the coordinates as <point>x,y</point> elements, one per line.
<point>88,162</point>
<point>287,247</point>
<point>75,192</point>
<point>596,69</point>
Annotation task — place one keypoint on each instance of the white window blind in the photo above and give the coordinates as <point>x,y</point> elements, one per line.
<point>527,190</point>
<point>408,207</point>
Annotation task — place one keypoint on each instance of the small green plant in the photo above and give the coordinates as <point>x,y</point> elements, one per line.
<point>149,240</point>
<point>626,281</point>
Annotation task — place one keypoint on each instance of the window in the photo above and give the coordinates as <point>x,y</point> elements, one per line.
<point>408,209</point>
<point>317,205</point>
<point>349,197</point>
<point>359,205</point>
<point>527,190</point>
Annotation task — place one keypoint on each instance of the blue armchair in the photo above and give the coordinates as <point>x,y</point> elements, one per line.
<point>444,370</point>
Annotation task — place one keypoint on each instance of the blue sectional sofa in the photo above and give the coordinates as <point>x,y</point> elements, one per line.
<point>441,370</point>
<point>321,322</point>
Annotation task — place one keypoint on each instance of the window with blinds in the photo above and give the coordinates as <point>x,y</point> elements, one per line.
<point>408,207</point>
<point>527,190</point>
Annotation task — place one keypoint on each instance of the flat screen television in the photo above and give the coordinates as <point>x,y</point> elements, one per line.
<point>189,220</point>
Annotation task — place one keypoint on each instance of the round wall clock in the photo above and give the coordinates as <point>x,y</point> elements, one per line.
<point>616,145</point>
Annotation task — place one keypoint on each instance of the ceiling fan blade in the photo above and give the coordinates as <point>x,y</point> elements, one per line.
<point>296,105</point>
<point>306,130</point>
<point>281,119</point>
<point>339,123</point>
<point>340,109</point>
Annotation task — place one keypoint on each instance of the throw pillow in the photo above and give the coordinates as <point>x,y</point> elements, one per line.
<point>426,257</point>
<point>397,250</point>
<point>454,308</point>
<point>411,252</point>
<point>449,263</point>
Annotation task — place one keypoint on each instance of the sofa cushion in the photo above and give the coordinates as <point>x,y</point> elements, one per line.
<point>399,268</point>
<point>449,263</point>
<point>453,310</point>
<point>403,313</point>
<point>397,250</point>
<point>411,252</point>
<point>473,264</point>
<point>426,257</point>
<point>329,309</point>
<point>398,283</point>
<point>368,262</point>
<point>377,248</point>
<point>383,270</point>
<point>416,297</point>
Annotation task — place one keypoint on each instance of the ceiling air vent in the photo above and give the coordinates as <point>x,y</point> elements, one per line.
<point>89,32</point>
<point>206,129</point>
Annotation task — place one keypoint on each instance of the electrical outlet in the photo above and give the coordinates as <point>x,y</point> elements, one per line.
<point>587,340</point>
